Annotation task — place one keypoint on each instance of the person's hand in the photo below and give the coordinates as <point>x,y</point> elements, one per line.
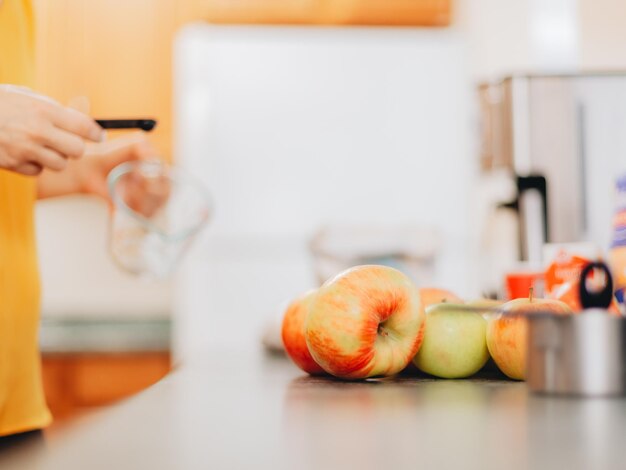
<point>143,193</point>
<point>146,189</point>
<point>37,132</point>
<point>91,172</point>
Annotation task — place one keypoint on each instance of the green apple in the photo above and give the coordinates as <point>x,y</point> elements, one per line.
<point>454,344</point>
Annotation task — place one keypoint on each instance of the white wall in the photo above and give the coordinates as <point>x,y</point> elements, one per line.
<point>497,35</point>
<point>518,36</point>
<point>602,34</point>
<point>505,36</point>
<point>294,128</point>
<point>78,276</point>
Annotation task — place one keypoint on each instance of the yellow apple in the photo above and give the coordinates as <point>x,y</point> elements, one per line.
<point>507,332</point>
<point>454,343</point>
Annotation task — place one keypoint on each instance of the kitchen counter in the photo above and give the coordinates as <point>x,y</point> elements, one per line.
<point>239,411</point>
<point>104,334</point>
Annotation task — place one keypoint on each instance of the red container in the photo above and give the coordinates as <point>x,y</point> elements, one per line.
<point>518,284</point>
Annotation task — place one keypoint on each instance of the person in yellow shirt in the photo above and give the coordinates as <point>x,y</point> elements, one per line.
<point>44,152</point>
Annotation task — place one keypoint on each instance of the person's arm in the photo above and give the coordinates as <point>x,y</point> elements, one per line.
<point>37,132</point>
<point>88,175</point>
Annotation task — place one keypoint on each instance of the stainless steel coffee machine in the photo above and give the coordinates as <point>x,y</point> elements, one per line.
<point>561,141</point>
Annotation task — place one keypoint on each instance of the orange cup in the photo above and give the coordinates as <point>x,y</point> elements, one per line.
<point>518,284</point>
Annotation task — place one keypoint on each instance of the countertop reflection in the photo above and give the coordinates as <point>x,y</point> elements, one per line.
<point>238,410</point>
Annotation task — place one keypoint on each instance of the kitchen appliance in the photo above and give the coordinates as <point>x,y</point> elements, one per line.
<point>560,142</point>
<point>579,354</point>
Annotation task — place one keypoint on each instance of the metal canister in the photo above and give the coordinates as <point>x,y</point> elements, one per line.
<point>580,354</point>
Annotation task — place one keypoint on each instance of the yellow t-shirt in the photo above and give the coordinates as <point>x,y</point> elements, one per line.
<point>22,402</point>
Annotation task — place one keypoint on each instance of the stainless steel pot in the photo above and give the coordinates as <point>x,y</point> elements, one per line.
<point>579,354</point>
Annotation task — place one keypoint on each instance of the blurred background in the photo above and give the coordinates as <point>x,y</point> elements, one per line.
<point>330,133</point>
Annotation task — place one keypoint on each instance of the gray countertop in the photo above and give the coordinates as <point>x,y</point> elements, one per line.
<point>239,411</point>
<point>111,334</point>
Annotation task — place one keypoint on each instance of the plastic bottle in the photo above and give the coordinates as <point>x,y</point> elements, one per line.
<point>617,254</point>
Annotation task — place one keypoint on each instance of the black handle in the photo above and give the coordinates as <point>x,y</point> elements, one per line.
<point>525,183</point>
<point>143,124</point>
<point>601,299</point>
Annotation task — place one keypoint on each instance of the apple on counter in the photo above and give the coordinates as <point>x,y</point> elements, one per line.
<point>435,295</point>
<point>431,296</point>
<point>292,333</point>
<point>507,332</point>
<point>454,343</point>
<point>366,322</point>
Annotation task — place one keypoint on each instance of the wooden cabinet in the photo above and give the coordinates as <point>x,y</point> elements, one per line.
<point>116,53</point>
<point>329,12</point>
<point>76,382</point>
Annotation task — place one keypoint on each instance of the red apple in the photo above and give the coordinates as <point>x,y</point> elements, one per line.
<point>507,332</point>
<point>435,295</point>
<point>366,322</point>
<point>293,334</point>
